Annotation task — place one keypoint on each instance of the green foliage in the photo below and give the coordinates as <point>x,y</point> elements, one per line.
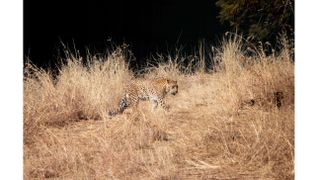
<point>259,19</point>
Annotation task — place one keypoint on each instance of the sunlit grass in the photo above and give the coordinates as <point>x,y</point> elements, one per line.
<point>234,123</point>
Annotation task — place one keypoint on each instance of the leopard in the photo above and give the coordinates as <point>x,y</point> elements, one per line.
<point>153,90</point>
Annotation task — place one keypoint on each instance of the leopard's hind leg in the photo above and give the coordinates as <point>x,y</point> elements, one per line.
<point>123,104</point>
<point>128,100</point>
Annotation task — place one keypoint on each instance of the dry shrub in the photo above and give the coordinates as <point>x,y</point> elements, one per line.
<point>77,92</point>
<point>237,123</point>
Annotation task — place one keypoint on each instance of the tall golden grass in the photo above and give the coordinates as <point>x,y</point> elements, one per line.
<point>234,123</point>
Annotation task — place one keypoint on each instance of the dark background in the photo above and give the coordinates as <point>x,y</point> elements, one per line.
<point>147,26</point>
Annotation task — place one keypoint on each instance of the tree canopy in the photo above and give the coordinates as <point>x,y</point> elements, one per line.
<point>262,20</point>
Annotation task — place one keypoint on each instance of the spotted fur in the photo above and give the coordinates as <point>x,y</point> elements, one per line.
<point>151,90</point>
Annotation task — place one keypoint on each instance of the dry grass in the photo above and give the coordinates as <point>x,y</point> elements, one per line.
<point>237,123</point>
